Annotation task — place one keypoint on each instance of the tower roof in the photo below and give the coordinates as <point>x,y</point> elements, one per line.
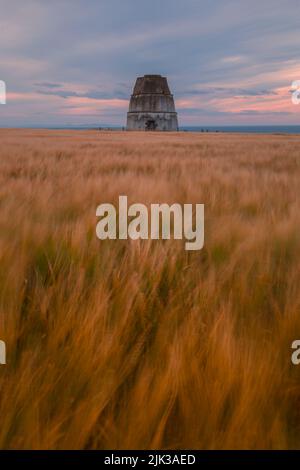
<point>151,84</point>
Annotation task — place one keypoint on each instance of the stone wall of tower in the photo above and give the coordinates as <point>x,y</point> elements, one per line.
<point>152,105</point>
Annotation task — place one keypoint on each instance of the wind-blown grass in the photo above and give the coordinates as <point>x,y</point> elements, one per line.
<point>141,344</point>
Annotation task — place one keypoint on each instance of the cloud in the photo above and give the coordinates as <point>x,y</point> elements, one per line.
<point>48,85</point>
<point>224,60</point>
<point>60,91</point>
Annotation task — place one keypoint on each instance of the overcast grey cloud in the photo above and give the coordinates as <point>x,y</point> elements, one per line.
<point>72,62</point>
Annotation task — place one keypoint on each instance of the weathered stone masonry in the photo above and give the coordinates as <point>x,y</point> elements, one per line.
<point>152,105</point>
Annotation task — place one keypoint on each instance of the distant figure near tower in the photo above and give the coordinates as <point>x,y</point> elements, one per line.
<point>151,106</point>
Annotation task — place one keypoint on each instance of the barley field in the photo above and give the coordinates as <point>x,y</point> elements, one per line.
<point>122,344</point>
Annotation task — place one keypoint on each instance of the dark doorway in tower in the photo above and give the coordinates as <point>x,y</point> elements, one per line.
<point>150,125</point>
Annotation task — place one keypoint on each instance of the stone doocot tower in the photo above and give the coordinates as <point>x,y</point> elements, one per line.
<point>151,105</point>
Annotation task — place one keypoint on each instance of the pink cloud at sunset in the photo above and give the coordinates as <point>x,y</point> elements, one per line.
<point>226,63</point>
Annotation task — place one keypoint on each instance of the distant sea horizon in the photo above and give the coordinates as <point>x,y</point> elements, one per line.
<point>245,129</point>
<point>266,129</point>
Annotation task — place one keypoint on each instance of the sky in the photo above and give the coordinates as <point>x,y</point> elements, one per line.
<point>74,62</point>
